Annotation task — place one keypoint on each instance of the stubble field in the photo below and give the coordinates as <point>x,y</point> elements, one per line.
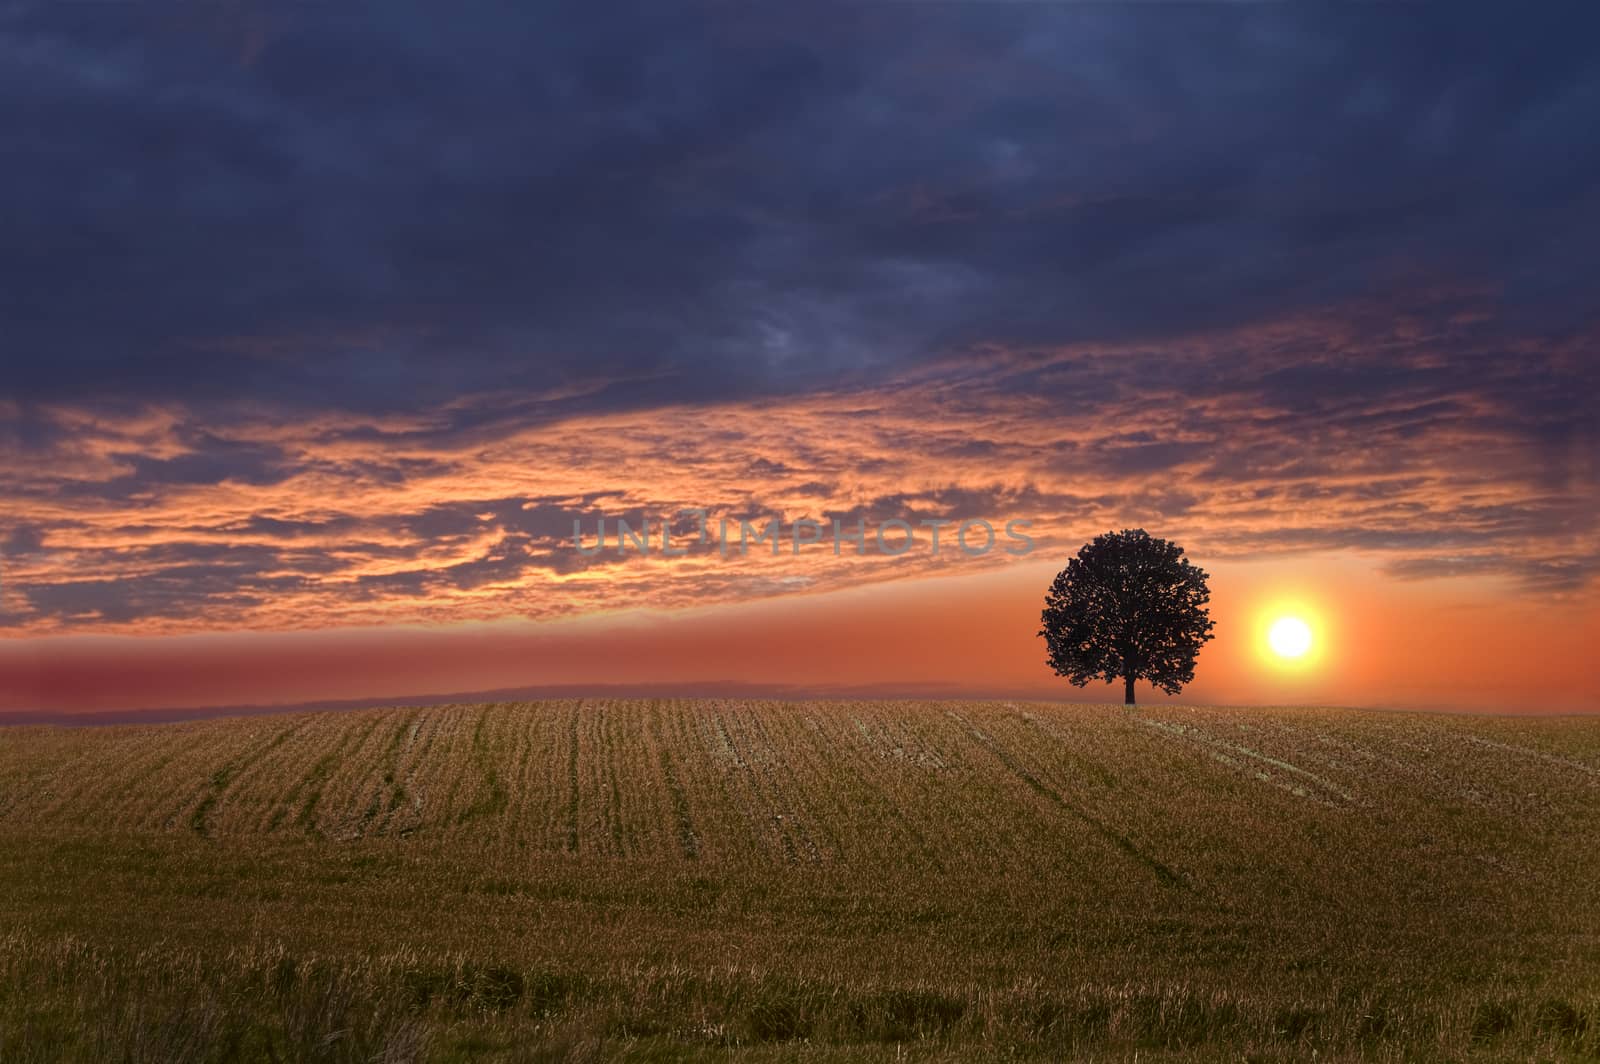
<point>671,880</point>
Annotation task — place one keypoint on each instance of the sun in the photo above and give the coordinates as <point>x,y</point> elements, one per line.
<point>1292,636</point>
<point>1289,637</point>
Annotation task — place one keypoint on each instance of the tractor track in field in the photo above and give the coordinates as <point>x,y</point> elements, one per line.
<point>230,774</point>
<point>1164,874</point>
<point>1229,753</point>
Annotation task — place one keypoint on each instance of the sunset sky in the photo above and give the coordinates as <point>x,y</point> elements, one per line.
<point>322,322</point>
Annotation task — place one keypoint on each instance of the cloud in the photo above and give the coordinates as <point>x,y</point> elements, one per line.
<point>322,318</point>
<point>708,203</point>
<point>369,519</point>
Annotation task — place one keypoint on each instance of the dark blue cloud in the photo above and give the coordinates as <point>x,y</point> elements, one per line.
<point>386,206</point>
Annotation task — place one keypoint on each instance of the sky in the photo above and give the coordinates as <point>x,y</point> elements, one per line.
<point>323,322</point>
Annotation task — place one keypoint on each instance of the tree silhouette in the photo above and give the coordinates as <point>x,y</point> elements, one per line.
<point>1128,605</point>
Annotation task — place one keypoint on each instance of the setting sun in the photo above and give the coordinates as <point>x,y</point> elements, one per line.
<point>1291,634</point>
<point>1289,637</point>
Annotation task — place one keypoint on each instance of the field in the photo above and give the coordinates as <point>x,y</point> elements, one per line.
<point>812,881</point>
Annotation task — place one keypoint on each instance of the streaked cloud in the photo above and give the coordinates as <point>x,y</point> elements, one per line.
<point>144,519</point>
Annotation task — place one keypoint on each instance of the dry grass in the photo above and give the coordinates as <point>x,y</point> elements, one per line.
<point>680,880</point>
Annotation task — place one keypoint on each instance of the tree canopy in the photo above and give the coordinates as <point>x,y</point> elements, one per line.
<point>1129,605</point>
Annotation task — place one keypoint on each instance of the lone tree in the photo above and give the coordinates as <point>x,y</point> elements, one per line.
<point>1128,605</point>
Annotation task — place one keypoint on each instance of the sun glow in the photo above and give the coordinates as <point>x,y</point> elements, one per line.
<point>1289,637</point>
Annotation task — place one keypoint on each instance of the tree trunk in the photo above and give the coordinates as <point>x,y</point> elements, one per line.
<point>1127,689</point>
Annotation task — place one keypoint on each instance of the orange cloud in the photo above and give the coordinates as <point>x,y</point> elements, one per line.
<point>158,520</point>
